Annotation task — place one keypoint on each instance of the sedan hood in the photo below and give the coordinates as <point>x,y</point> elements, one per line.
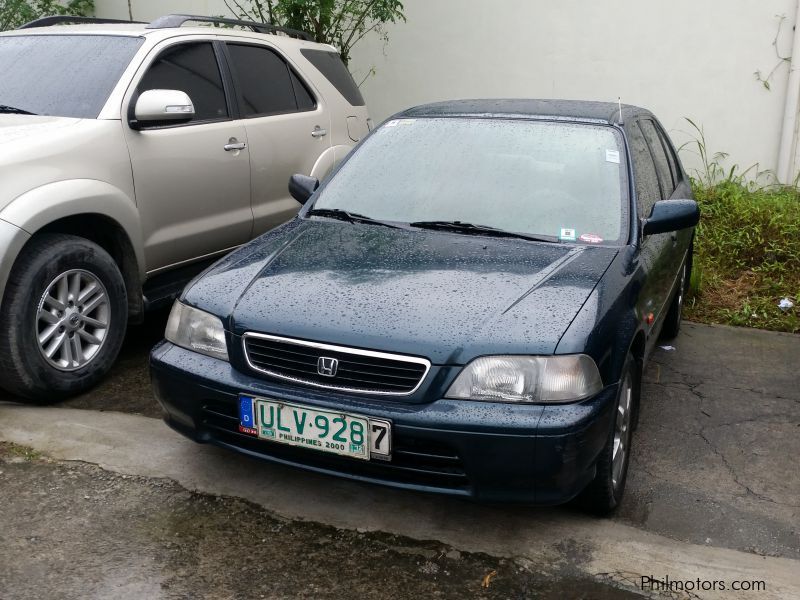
<point>447,297</point>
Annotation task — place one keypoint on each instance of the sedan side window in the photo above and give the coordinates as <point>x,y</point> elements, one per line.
<point>645,177</point>
<point>266,84</point>
<point>660,156</point>
<point>674,165</point>
<point>190,68</point>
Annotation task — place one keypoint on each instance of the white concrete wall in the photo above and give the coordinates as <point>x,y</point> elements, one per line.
<point>680,58</point>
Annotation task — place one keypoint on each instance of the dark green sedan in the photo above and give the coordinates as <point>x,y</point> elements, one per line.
<point>464,307</point>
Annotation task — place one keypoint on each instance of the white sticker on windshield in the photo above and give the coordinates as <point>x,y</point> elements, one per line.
<point>407,121</point>
<point>612,156</point>
<point>394,123</point>
<point>567,235</point>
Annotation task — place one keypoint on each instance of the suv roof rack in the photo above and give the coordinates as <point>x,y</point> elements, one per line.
<point>178,20</point>
<point>67,19</point>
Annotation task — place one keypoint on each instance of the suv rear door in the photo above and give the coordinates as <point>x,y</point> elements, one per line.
<point>193,194</point>
<point>287,125</point>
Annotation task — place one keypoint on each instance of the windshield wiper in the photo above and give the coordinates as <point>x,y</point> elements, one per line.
<point>471,229</point>
<point>4,108</point>
<point>350,217</point>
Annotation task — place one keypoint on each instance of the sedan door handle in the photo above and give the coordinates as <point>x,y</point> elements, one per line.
<point>319,132</point>
<point>234,145</point>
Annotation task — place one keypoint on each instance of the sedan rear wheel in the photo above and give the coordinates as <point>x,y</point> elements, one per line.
<point>672,322</point>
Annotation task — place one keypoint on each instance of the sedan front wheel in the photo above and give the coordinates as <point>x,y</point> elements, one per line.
<point>605,491</point>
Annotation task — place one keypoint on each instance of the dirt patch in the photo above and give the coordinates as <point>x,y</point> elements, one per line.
<point>72,530</point>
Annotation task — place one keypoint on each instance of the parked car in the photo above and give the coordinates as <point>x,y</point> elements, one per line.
<point>131,157</point>
<point>464,307</point>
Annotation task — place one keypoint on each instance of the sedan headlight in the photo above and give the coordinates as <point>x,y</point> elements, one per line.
<point>528,379</point>
<point>196,330</point>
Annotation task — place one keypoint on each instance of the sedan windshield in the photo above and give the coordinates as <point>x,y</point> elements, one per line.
<point>548,179</point>
<point>61,75</point>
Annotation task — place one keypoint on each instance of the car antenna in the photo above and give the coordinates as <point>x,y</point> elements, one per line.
<point>619,101</point>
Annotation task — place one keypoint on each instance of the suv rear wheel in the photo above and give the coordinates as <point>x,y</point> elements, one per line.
<point>63,318</point>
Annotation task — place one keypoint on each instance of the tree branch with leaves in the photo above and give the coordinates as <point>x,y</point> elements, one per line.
<point>14,13</point>
<point>340,23</point>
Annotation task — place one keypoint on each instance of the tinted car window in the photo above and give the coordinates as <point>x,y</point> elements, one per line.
<point>263,79</point>
<point>520,176</point>
<point>62,75</point>
<point>190,68</point>
<point>305,101</point>
<point>644,172</point>
<point>331,66</point>
<point>660,157</point>
<point>671,158</point>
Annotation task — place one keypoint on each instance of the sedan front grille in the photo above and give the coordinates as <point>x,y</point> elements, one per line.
<point>334,367</point>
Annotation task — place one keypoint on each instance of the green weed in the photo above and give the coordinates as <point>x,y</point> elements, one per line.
<point>747,255</point>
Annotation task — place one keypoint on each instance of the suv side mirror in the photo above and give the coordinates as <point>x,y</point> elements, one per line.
<point>301,187</point>
<point>671,215</point>
<point>163,106</point>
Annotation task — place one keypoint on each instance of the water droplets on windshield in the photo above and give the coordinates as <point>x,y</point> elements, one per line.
<point>531,177</point>
<point>62,75</point>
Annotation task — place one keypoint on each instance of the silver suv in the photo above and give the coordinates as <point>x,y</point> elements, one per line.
<point>132,156</point>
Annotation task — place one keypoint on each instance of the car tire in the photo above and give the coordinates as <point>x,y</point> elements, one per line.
<point>672,322</point>
<point>63,318</point>
<point>604,493</point>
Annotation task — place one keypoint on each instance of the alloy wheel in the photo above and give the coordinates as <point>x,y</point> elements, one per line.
<point>72,320</point>
<point>622,431</point>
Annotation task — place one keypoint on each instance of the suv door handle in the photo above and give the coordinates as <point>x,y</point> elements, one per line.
<point>234,144</point>
<point>319,132</point>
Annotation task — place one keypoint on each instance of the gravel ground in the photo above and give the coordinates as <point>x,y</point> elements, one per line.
<point>72,530</point>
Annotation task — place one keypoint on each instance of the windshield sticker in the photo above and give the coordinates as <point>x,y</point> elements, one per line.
<point>591,238</point>
<point>396,122</point>
<point>612,156</point>
<point>567,235</point>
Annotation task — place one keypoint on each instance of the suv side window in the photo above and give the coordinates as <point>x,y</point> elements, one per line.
<point>190,68</point>
<point>645,177</point>
<point>331,66</point>
<point>659,156</point>
<point>265,83</point>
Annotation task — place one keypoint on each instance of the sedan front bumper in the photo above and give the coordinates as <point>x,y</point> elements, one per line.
<point>491,452</point>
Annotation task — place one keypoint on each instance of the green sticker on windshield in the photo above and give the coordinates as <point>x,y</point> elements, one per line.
<point>567,235</point>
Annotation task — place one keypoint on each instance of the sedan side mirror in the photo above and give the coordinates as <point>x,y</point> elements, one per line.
<point>302,187</point>
<point>671,215</point>
<point>164,106</point>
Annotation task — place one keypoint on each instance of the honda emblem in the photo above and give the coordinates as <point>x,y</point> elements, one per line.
<point>327,366</point>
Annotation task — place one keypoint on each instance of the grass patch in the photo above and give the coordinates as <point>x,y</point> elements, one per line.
<point>747,256</point>
<point>10,450</point>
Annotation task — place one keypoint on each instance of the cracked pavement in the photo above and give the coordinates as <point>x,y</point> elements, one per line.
<point>713,488</point>
<point>715,458</point>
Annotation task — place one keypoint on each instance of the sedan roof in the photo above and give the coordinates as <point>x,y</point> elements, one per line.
<point>578,110</point>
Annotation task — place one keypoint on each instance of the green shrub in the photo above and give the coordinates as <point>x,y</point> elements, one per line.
<point>14,13</point>
<point>747,255</point>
